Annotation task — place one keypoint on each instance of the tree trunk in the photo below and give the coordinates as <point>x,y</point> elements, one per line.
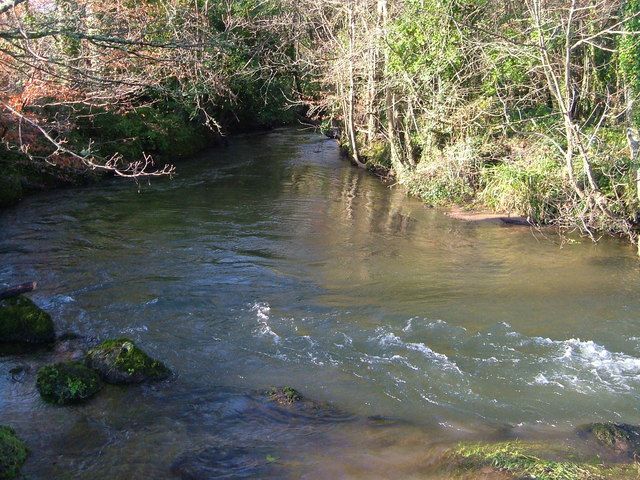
<point>351,97</point>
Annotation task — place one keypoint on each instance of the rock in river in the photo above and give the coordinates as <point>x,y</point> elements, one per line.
<point>121,361</point>
<point>620,437</point>
<point>69,382</point>
<point>22,322</point>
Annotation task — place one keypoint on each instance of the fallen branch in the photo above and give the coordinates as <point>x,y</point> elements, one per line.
<point>17,290</point>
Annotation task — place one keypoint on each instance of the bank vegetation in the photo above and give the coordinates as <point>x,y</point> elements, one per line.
<point>524,107</point>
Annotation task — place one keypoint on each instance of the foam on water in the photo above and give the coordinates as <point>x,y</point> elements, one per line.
<point>389,339</point>
<point>479,368</point>
<point>262,310</point>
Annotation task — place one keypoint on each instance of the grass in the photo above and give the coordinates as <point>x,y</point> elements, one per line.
<point>534,188</point>
<point>445,176</point>
<point>532,460</point>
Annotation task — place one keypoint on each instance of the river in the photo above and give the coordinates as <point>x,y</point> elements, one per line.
<point>275,262</point>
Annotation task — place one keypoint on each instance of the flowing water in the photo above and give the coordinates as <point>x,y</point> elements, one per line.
<point>274,262</point>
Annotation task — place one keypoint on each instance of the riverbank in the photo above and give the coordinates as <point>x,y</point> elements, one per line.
<point>511,180</point>
<point>168,137</point>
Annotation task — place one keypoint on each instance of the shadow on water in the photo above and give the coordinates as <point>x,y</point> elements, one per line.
<point>274,262</point>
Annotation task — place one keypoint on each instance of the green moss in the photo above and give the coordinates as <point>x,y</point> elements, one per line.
<point>13,453</point>
<point>620,436</point>
<point>533,460</point>
<point>21,321</point>
<point>377,155</point>
<point>69,382</point>
<point>286,395</point>
<point>121,361</point>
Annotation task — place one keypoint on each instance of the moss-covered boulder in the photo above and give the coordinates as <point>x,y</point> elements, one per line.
<point>23,322</point>
<point>13,453</point>
<point>284,395</point>
<point>621,437</point>
<point>69,382</point>
<point>121,361</point>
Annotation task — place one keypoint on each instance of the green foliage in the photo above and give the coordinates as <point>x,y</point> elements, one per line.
<point>10,189</point>
<point>149,130</point>
<point>527,460</point>
<point>257,105</point>
<point>509,75</point>
<point>65,383</point>
<point>445,176</point>
<point>121,361</point>
<point>533,187</point>
<point>377,155</point>
<point>629,48</point>
<point>13,453</point>
<point>424,41</point>
<point>21,321</point>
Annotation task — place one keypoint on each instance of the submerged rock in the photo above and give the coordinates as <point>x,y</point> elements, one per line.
<point>23,322</point>
<point>121,361</point>
<point>18,372</point>
<point>69,382</point>
<point>287,403</point>
<point>70,346</point>
<point>284,395</point>
<point>621,437</point>
<point>226,462</point>
<point>13,453</point>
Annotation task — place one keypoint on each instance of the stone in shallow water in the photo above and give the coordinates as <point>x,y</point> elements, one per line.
<point>70,382</point>
<point>121,361</point>
<point>621,437</point>
<point>13,453</point>
<point>284,395</point>
<point>23,322</point>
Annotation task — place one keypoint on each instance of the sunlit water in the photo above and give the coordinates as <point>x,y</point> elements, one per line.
<point>275,262</point>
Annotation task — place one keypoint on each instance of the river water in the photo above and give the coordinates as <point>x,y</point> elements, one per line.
<point>274,262</point>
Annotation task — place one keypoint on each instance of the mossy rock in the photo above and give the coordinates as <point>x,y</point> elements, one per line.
<point>121,361</point>
<point>284,395</point>
<point>532,460</point>
<point>621,437</point>
<point>13,453</point>
<point>69,382</point>
<point>22,321</point>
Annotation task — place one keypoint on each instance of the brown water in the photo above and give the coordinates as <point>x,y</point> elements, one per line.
<point>275,262</point>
